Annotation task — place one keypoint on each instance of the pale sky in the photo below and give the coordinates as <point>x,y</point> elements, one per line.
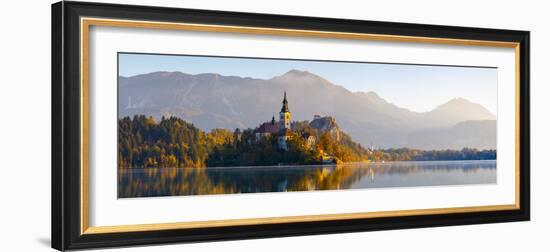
<point>419,88</point>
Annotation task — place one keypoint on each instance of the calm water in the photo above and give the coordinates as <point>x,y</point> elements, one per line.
<point>198,181</point>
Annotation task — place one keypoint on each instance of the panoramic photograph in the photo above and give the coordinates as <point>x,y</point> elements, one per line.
<point>200,125</point>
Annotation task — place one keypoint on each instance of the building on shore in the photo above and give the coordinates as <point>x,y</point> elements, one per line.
<point>267,129</point>
<point>281,129</point>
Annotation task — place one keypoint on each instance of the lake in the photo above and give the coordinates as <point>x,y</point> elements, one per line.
<point>227,180</point>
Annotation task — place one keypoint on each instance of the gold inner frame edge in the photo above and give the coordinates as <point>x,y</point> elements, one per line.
<point>85,24</point>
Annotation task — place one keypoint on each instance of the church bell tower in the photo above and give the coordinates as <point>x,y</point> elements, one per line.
<point>284,115</point>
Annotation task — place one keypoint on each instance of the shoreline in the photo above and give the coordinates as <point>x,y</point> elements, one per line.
<point>315,165</point>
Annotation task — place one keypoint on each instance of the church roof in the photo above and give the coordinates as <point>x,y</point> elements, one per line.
<point>268,127</point>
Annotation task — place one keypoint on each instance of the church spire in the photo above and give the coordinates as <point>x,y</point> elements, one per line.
<point>285,105</point>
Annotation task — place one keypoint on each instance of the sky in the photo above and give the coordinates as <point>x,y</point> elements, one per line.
<point>418,88</point>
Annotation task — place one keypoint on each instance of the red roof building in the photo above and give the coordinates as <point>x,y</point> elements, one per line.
<point>268,127</point>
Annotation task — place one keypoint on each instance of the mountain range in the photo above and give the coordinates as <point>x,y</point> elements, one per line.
<point>212,100</point>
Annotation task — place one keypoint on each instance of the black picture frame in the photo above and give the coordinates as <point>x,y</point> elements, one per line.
<point>66,156</point>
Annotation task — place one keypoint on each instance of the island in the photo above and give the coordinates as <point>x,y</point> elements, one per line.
<point>174,142</point>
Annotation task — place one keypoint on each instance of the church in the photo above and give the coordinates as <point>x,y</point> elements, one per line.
<point>281,128</point>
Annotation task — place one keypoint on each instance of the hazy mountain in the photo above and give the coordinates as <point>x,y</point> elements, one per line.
<point>215,101</point>
<point>455,111</point>
<point>474,134</point>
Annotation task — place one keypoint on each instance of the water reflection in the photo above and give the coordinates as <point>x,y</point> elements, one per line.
<point>174,181</point>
